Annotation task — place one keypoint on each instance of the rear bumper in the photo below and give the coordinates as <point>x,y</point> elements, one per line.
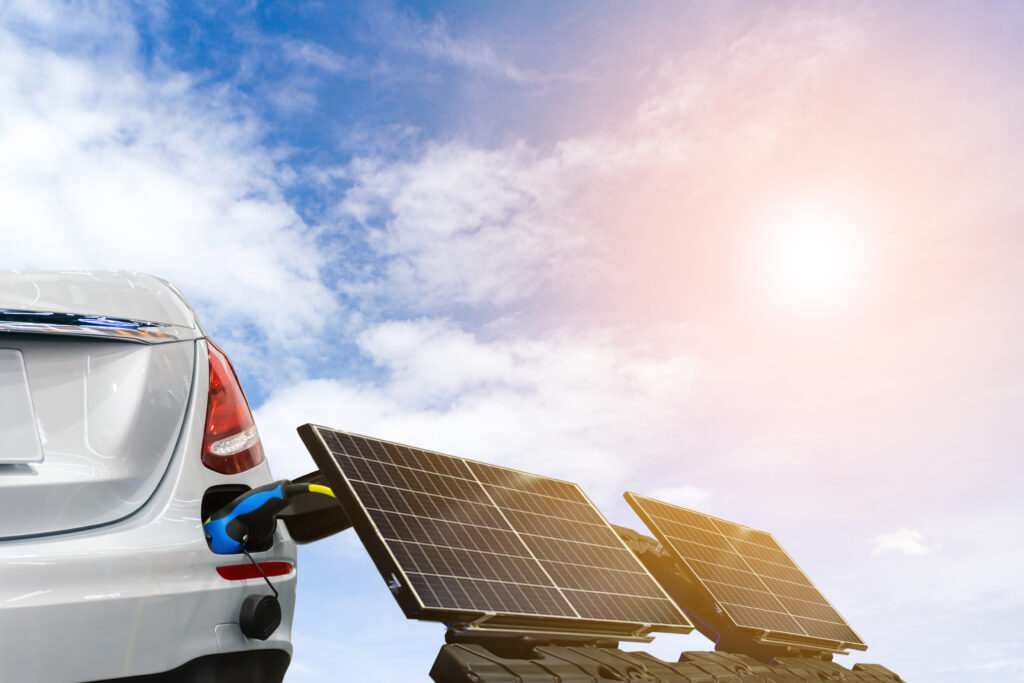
<point>109,615</point>
<point>139,597</point>
<point>259,666</point>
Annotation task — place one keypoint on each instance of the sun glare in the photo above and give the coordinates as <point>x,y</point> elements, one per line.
<point>814,257</point>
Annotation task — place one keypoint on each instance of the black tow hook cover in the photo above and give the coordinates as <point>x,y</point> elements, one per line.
<point>260,616</point>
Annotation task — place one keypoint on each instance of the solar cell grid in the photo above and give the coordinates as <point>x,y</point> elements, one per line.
<point>746,572</point>
<point>542,505</point>
<point>579,554</point>
<point>452,535</point>
<point>471,537</point>
<point>791,574</point>
<point>790,589</point>
<point>542,525</point>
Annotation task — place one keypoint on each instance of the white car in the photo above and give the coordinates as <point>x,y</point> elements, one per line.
<point>122,427</point>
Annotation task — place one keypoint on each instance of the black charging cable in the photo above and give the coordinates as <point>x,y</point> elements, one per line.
<point>257,565</point>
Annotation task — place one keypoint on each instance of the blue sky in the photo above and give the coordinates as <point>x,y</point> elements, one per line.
<point>562,238</point>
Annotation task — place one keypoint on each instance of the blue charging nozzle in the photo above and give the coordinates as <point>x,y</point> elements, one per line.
<point>251,518</point>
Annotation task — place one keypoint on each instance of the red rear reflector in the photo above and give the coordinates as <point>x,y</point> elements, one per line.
<point>231,443</point>
<point>240,572</point>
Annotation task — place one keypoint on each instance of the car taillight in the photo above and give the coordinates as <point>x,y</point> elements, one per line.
<point>231,443</point>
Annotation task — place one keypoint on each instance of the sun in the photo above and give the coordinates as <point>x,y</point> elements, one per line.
<point>814,257</point>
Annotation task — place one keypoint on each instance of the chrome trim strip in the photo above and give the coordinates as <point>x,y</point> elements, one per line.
<point>74,324</point>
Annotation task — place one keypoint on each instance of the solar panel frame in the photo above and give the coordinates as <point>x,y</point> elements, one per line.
<point>414,593</point>
<point>704,573</point>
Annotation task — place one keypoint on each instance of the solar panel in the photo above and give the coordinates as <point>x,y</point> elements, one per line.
<point>474,544</point>
<point>748,575</point>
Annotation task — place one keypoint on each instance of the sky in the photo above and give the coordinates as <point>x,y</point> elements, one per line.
<point>757,259</point>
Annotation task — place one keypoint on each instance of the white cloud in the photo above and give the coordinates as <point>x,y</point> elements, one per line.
<point>314,55</point>
<point>568,406</point>
<point>906,541</point>
<point>687,496</point>
<point>464,225</point>
<point>92,22</point>
<point>104,167</point>
<point>457,223</point>
<point>435,41</point>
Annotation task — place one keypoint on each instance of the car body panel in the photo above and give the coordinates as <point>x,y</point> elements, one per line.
<point>19,433</point>
<point>108,414</point>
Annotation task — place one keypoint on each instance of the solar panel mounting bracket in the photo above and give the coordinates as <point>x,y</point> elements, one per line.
<point>494,625</point>
<point>522,645</point>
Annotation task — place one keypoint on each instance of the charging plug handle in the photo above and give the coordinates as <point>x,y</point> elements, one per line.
<point>251,518</point>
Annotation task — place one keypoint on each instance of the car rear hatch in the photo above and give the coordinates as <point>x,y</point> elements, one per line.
<point>95,374</point>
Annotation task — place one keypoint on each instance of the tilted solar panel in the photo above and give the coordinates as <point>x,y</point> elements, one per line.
<point>465,542</point>
<point>748,575</point>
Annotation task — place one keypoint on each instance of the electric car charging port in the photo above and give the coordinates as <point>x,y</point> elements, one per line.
<point>307,518</point>
<point>239,519</point>
<point>217,497</point>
